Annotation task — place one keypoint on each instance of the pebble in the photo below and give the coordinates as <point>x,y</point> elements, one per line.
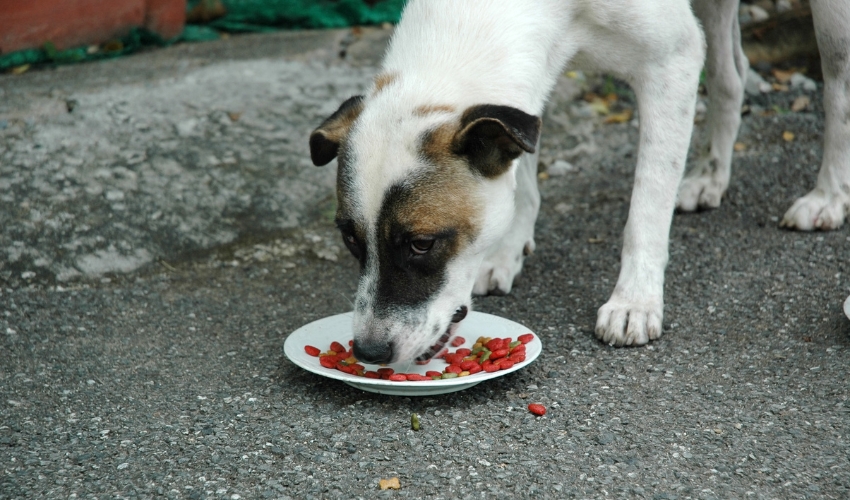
<point>799,80</point>
<point>560,168</point>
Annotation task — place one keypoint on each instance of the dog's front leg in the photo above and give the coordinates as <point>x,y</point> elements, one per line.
<point>666,91</point>
<point>826,206</point>
<point>504,259</point>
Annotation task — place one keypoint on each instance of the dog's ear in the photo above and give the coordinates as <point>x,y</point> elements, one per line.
<point>324,141</point>
<point>492,136</point>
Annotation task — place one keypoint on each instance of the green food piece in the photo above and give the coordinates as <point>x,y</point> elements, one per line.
<point>450,375</point>
<point>484,357</point>
<point>514,344</point>
<point>414,421</point>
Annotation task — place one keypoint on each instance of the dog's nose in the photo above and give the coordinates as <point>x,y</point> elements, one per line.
<point>459,314</point>
<point>373,352</point>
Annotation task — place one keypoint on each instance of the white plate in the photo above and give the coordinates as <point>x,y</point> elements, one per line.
<point>322,332</point>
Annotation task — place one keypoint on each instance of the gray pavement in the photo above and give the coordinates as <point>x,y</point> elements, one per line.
<point>159,241</point>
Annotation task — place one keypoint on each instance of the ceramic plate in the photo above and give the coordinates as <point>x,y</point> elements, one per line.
<point>324,331</point>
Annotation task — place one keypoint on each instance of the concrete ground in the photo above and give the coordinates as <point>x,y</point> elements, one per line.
<point>162,231</point>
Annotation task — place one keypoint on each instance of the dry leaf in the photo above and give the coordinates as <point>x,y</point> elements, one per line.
<point>599,106</point>
<point>779,87</point>
<point>788,136</point>
<point>234,116</point>
<point>17,70</point>
<point>740,146</point>
<point>595,240</point>
<point>389,484</point>
<point>800,103</point>
<point>783,76</point>
<point>619,117</point>
<point>543,176</point>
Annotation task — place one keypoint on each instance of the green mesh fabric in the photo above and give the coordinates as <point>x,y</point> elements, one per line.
<point>242,16</point>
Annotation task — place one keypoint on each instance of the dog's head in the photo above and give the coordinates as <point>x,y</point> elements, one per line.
<point>423,191</point>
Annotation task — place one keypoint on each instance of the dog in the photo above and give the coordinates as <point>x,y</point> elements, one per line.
<point>436,176</point>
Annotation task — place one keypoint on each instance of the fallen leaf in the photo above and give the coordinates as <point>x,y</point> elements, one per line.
<point>599,106</point>
<point>740,146</point>
<point>788,136</point>
<point>17,70</point>
<point>543,176</point>
<point>800,103</point>
<point>779,87</point>
<point>619,117</point>
<point>595,240</point>
<point>389,484</point>
<point>234,116</point>
<point>783,76</point>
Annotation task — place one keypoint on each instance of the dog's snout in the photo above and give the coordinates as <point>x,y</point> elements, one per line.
<point>373,352</point>
<point>460,314</point>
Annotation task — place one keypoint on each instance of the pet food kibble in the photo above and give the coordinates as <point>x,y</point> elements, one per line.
<point>414,422</point>
<point>488,355</point>
<point>499,353</point>
<point>389,484</point>
<point>526,338</point>
<point>537,409</point>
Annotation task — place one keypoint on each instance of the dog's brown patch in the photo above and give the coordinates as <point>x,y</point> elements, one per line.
<point>382,80</point>
<point>433,108</point>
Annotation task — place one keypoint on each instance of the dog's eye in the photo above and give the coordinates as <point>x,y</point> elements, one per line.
<point>351,242</point>
<point>421,247</point>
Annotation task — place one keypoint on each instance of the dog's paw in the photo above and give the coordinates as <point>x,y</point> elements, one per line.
<point>703,187</point>
<point>817,210</point>
<point>500,269</point>
<point>623,322</point>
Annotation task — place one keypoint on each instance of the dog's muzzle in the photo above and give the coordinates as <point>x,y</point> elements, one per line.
<point>435,349</point>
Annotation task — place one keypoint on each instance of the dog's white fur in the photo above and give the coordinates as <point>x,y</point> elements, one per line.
<point>459,54</point>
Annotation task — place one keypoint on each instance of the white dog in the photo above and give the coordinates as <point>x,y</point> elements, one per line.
<point>437,167</point>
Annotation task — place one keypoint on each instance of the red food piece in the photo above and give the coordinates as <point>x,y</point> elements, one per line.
<point>415,377</point>
<point>505,363</point>
<point>328,361</point>
<point>453,359</point>
<point>387,371</point>
<point>344,368</point>
<point>474,369</point>
<point>351,343</point>
<point>467,365</point>
<point>498,353</point>
<point>312,351</point>
<point>519,358</point>
<point>526,338</point>
<point>398,377</point>
<point>453,369</point>
<point>432,373</point>
<point>518,349</point>
<point>490,367</point>
<point>537,409</point>
<point>495,344</point>
<point>458,341</point>
<point>357,367</point>
<point>371,374</point>
<point>442,353</point>
<point>337,347</point>
<point>463,352</point>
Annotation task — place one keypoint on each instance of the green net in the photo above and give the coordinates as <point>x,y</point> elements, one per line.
<point>241,16</point>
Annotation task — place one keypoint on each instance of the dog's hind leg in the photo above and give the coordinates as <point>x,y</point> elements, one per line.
<point>504,259</point>
<point>826,206</point>
<point>726,72</point>
<point>665,85</point>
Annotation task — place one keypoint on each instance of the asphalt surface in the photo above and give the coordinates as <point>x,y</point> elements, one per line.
<point>167,377</point>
